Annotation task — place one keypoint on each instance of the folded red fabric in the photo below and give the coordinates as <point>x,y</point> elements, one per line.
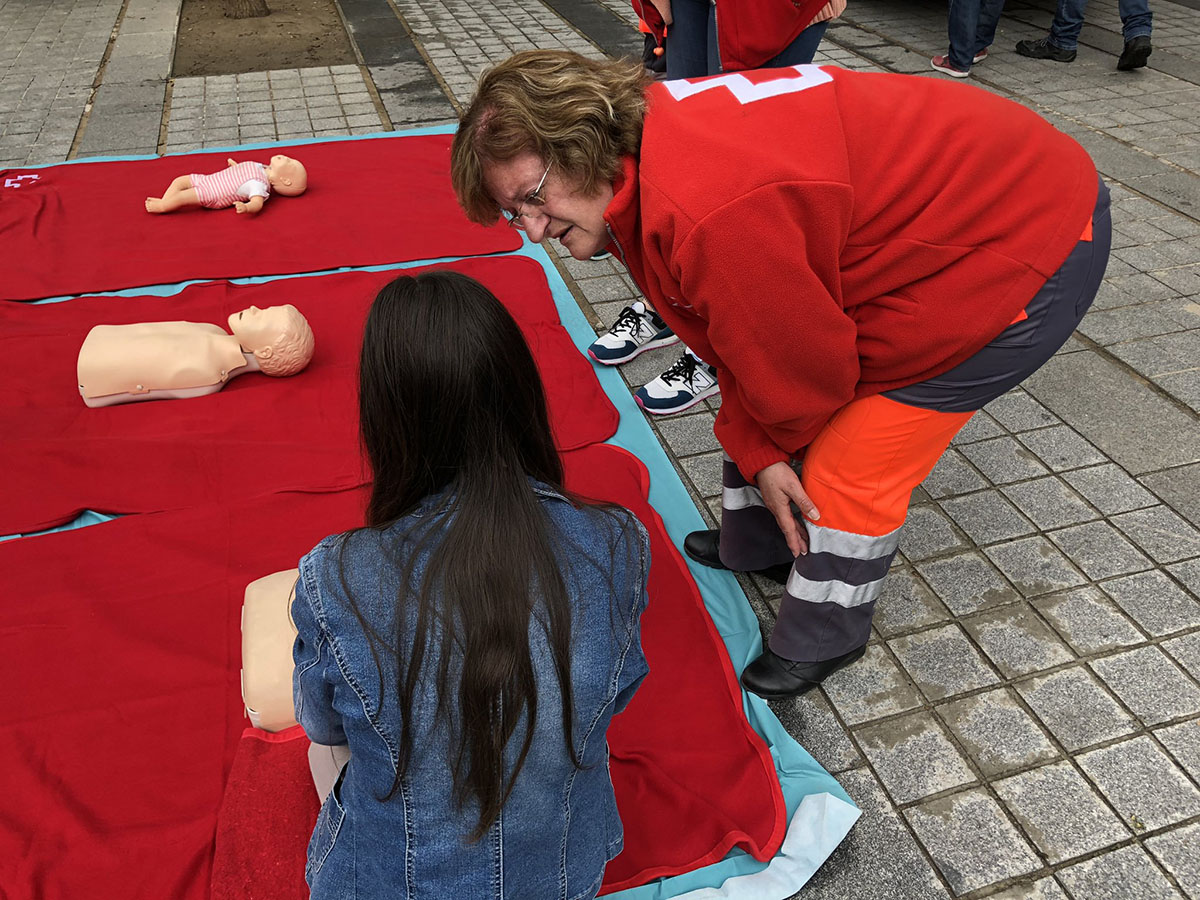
<point>266,819</point>
<point>257,434</point>
<point>121,649</point>
<point>123,740</point>
<point>693,780</point>
<point>68,229</point>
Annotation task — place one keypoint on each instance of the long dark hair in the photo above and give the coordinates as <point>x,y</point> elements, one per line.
<point>451,404</point>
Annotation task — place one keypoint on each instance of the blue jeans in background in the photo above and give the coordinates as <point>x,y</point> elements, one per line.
<point>692,49</point>
<point>1068,20</point>
<point>972,27</point>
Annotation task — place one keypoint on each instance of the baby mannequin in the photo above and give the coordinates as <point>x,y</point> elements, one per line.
<point>244,186</point>
<point>267,638</point>
<point>177,360</point>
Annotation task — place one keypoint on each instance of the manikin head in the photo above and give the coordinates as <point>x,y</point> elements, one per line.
<point>278,336</point>
<point>287,176</point>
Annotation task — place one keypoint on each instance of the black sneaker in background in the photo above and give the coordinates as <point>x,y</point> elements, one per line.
<point>1043,49</point>
<point>1136,52</point>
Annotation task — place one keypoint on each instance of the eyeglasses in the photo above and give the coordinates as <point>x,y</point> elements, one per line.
<point>534,199</point>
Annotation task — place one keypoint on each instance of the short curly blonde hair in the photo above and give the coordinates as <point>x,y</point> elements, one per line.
<point>292,350</point>
<point>577,114</point>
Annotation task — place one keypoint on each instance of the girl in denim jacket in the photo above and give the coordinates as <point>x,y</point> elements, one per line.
<point>471,643</point>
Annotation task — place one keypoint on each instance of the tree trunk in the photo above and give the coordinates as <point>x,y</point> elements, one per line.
<point>246,9</point>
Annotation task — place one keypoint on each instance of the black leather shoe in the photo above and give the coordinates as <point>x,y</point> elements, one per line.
<point>773,677</point>
<point>1043,49</point>
<point>1136,52</point>
<point>704,548</point>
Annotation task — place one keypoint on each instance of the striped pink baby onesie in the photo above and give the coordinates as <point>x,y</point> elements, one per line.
<point>224,188</point>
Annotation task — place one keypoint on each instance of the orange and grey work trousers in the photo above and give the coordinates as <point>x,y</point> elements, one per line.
<point>861,469</point>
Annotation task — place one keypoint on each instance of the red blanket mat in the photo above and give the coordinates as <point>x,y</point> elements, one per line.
<point>257,434</point>
<point>69,229</point>
<point>124,724</point>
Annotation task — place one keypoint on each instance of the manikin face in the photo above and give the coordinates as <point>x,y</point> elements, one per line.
<point>286,175</point>
<point>258,329</point>
<point>280,166</point>
<point>574,219</point>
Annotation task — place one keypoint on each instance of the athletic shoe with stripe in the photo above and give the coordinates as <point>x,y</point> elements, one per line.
<point>942,64</point>
<point>636,330</point>
<point>682,386</point>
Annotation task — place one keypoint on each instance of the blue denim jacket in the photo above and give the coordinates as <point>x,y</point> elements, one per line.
<point>559,826</point>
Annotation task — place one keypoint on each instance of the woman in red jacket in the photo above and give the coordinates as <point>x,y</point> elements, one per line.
<point>866,259</point>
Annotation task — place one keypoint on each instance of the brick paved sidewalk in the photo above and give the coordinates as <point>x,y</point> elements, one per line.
<point>1026,723</point>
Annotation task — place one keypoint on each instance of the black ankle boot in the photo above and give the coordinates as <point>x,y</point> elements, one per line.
<point>773,677</point>
<point>704,548</point>
<point>1137,51</point>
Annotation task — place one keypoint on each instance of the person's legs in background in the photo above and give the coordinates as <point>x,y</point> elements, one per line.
<point>1059,45</point>
<point>1136,20</point>
<point>985,29</point>
<point>800,51</point>
<point>962,24</point>
<point>691,40</point>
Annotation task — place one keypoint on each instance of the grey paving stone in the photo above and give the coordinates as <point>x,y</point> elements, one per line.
<point>1061,448</point>
<point>1016,640</point>
<point>1186,651</point>
<point>1119,875</point>
<point>879,858</point>
<point>1179,853</point>
<point>810,720</point>
<point>1152,686</point>
<point>1145,787</point>
<point>1017,411</point>
<point>1100,550</point>
<point>905,603</point>
<point>1161,533</point>
<point>1088,621</point>
<point>1183,742</point>
<point>913,757</point>
<point>1076,709</point>
<point>1003,460</point>
<point>1188,573</point>
<point>967,582</point>
<point>971,841</point>
<point>1049,502</point>
<point>942,662</point>
<point>705,473</point>
<point>1180,487</point>
<point>1059,812</point>
<point>871,688</point>
<point>688,434</point>
<point>1034,566</point>
<point>1157,604</point>
<point>928,532</point>
<point>987,517</point>
<point>1045,889</point>
<point>1110,489</point>
<point>997,733</point>
<point>979,427</point>
<point>1084,388</point>
<point>951,476</point>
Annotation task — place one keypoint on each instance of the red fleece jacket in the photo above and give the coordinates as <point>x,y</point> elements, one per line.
<point>821,235</point>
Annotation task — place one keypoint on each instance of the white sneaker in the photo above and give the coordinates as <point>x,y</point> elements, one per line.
<point>636,330</point>
<point>682,386</point>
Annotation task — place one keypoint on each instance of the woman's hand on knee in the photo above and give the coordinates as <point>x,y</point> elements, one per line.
<point>780,488</point>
